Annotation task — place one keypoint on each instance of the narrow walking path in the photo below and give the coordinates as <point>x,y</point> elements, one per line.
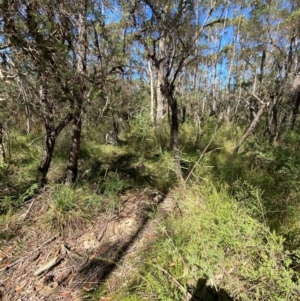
<point>40,264</point>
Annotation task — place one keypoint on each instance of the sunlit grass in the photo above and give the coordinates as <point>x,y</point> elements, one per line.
<point>215,242</point>
<point>70,208</point>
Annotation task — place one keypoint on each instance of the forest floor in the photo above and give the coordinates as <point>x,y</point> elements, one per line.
<point>48,264</point>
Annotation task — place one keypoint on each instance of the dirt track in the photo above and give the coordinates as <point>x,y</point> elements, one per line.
<point>43,265</point>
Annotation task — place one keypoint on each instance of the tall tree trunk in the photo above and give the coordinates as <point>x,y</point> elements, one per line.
<point>296,104</point>
<point>72,167</point>
<point>2,149</point>
<point>28,117</point>
<point>152,101</point>
<point>52,133</point>
<point>160,97</point>
<point>295,100</point>
<point>251,127</point>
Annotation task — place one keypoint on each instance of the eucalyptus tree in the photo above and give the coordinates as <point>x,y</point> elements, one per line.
<point>166,31</point>
<point>292,29</point>
<point>63,56</point>
<point>80,48</point>
<point>269,54</point>
<point>10,100</point>
<point>35,33</point>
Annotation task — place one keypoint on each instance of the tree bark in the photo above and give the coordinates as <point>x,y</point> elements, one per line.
<point>296,100</point>
<point>296,104</point>
<point>152,101</point>
<point>47,156</point>
<point>160,97</point>
<point>51,135</point>
<point>167,91</point>
<point>2,149</point>
<point>72,167</point>
<point>47,111</point>
<point>273,124</point>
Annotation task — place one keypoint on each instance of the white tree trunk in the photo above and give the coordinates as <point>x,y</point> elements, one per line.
<point>160,98</point>
<point>152,100</point>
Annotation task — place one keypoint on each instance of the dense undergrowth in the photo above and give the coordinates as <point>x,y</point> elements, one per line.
<point>236,236</point>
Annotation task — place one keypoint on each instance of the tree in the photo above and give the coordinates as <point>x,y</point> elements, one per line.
<point>79,91</point>
<point>37,48</point>
<point>163,28</point>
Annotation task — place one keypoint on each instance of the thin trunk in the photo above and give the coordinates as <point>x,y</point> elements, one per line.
<point>27,113</point>
<point>72,167</point>
<point>183,117</point>
<point>174,134</point>
<point>51,136</point>
<point>2,149</point>
<point>152,101</point>
<point>50,132</point>
<point>160,97</point>
<point>167,90</point>
<point>295,109</point>
<point>196,67</point>
<point>231,64</point>
<point>47,156</point>
<point>273,124</point>
<point>251,127</point>
<point>296,100</point>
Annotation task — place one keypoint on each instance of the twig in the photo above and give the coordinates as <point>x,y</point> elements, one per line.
<point>48,241</point>
<point>35,140</point>
<point>13,264</point>
<point>49,265</point>
<point>33,255</point>
<point>25,215</point>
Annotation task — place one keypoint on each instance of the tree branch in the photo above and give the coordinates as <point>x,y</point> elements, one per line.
<point>63,123</point>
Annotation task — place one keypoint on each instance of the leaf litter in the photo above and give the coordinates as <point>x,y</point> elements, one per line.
<point>40,263</point>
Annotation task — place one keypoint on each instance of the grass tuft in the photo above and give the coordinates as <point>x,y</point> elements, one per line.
<point>70,208</point>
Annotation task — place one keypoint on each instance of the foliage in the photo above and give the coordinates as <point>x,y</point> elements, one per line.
<point>141,132</point>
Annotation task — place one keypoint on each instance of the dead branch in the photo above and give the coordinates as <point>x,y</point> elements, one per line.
<point>33,255</point>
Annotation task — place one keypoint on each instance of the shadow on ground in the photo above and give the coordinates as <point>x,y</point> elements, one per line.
<point>118,237</point>
<point>130,170</point>
<point>203,292</point>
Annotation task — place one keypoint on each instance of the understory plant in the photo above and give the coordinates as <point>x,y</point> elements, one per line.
<point>213,250</point>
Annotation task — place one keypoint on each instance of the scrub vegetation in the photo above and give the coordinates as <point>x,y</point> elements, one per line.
<point>113,111</point>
